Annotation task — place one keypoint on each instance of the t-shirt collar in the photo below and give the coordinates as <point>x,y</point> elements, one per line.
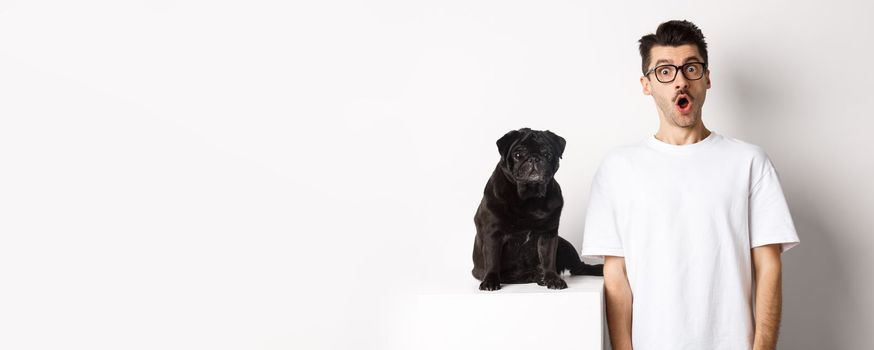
<point>666,147</point>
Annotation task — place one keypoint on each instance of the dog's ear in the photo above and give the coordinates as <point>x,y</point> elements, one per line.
<point>506,141</point>
<point>557,142</point>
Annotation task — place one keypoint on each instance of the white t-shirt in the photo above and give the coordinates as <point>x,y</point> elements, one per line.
<point>685,218</point>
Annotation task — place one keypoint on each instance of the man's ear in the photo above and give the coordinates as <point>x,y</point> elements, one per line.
<point>557,141</point>
<point>645,84</point>
<point>506,141</point>
<point>707,76</point>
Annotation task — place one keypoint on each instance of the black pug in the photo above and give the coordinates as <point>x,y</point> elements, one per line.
<point>517,220</point>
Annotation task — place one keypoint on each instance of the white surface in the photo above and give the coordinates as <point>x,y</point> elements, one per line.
<point>465,285</point>
<point>518,316</point>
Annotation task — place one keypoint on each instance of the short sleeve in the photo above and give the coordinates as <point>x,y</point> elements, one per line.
<point>600,235</point>
<point>769,218</point>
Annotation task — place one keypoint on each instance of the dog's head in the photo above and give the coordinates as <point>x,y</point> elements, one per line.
<point>529,158</point>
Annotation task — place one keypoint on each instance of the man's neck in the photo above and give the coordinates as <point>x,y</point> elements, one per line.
<point>682,136</point>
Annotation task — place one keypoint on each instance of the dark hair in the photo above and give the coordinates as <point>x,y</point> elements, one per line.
<point>672,33</point>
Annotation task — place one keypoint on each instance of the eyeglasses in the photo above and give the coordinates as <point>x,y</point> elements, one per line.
<point>666,73</point>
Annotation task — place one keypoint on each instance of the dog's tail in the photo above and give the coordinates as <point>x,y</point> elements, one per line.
<point>566,258</point>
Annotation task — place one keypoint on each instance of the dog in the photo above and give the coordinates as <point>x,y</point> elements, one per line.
<point>517,220</point>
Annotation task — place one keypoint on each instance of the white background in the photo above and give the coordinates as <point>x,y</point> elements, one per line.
<point>277,175</point>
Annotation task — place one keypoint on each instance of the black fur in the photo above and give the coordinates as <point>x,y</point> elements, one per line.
<point>517,220</point>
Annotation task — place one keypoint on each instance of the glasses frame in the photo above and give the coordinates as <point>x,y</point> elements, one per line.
<point>677,69</point>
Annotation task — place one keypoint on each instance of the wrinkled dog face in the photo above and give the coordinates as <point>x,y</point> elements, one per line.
<point>529,158</point>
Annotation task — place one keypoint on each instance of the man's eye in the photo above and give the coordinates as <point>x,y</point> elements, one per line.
<point>691,69</point>
<point>664,71</point>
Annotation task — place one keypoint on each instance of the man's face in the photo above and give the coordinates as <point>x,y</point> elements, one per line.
<point>680,101</point>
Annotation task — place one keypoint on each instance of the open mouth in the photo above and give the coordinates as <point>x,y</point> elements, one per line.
<point>684,104</point>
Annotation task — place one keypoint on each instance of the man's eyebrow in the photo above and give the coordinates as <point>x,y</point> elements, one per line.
<point>687,60</point>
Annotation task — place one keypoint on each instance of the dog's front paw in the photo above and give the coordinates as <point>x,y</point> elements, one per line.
<point>552,281</point>
<point>557,283</point>
<point>491,282</point>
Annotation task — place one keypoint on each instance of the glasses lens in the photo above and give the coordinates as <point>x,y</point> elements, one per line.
<point>693,71</point>
<point>665,74</point>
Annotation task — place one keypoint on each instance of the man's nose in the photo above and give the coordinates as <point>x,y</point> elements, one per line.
<point>680,81</point>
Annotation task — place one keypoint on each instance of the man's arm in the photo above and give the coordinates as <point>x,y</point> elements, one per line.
<point>619,298</point>
<point>767,272</point>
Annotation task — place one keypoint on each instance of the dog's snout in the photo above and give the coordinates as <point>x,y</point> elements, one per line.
<point>534,166</point>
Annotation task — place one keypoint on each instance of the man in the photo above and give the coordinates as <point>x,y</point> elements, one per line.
<point>687,219</point>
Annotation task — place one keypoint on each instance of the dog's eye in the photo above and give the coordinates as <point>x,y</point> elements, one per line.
<point>517,155</point>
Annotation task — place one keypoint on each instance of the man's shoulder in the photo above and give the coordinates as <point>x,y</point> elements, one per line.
<point>624,151</point>
<point>627,150</point>
<point>742,148</point>
<point>621,157</point>
<point>729,149</point>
